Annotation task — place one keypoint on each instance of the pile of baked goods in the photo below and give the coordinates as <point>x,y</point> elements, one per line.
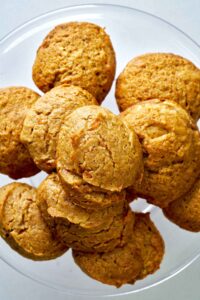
<point>98,162</point>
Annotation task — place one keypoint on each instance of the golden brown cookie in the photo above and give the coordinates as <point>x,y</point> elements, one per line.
<point>22,225</point>
<point>139,257</point>
<point>185,211</point>
<point>15,159</point>
<point>43,121</point>
<point>171,149</point>
<point>55,202</point>
<point>87,196</point>
<point>99,149</point>
<point>77,53</point>
<point>160,76</point>
<point>118,267</point>
<point>115,233</point>
<point>149,243</point>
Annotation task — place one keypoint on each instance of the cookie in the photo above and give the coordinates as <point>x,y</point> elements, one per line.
<point>139,257</point>
<point>163,76</point>
<point>171,149</point>
<point>43,121</point>
<point>15,161</point>
<point>87,196</point>
<point>55,202</point>
<point>115,233</point>
<point>95,145</point>
<point>149,243</point>
<point>120,266</point>
<point>185,211</point>
<point>76,53</point>
<point>22,226</point>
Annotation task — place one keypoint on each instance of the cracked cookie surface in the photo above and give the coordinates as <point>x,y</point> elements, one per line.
<point>118,267</point>
<point>22,225</point>
<point>171,149</point>
<point>164,76</point>
<point>77,53</point>
<point>55,201</point>
<point>43,121</point>
<point>98,149</point>
<point>87,196</point>
<point>114,233</point>
<point>15,159</point>
<point>139,257</point>
<point>185,211</point>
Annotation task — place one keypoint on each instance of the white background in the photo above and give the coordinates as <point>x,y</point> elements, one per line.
<point>185,14</point>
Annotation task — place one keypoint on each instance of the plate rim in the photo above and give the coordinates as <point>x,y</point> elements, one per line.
<point>89,5</point>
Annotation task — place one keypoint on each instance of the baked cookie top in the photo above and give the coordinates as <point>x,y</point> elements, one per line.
<point>120,266</point>
<point>115,233</point>
<point>43,121</point>
<point>56,202</point>
<point>139,257</point>
<point>22,225</point>
<point>164,76</point>
<point>185,211</point>
<point>77,53</point>
<point>15,159</point>
<point>97,146</point>
<point>171,149</point>
<point>86,195</point>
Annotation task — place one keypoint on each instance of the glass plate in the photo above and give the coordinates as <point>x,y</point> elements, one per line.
<point>132,32</point>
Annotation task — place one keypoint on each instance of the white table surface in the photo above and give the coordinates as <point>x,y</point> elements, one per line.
<point>185,14</point>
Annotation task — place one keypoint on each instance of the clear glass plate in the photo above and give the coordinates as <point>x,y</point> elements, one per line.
<point>133,32</point>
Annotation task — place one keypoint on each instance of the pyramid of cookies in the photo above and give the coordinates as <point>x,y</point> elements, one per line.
<point>98,162</point>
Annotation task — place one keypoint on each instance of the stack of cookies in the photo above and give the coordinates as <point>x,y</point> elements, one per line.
<point>159,97</point>
<point>97,162</point>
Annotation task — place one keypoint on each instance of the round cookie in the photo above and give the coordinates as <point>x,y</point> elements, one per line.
<point>95,145</point>
<point>87,196</point>
<point>22,225</point>
<point>77,53</point>
<point>55,202</point>
<point>171,149</point>
<point>15,159</point>
<point>43,121</point>
<point>162,76</point>
<point>118,267</point>
<point>139,257</point>
<point>114,233</point>
<point>149,243</point>
<point>185,211</point>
